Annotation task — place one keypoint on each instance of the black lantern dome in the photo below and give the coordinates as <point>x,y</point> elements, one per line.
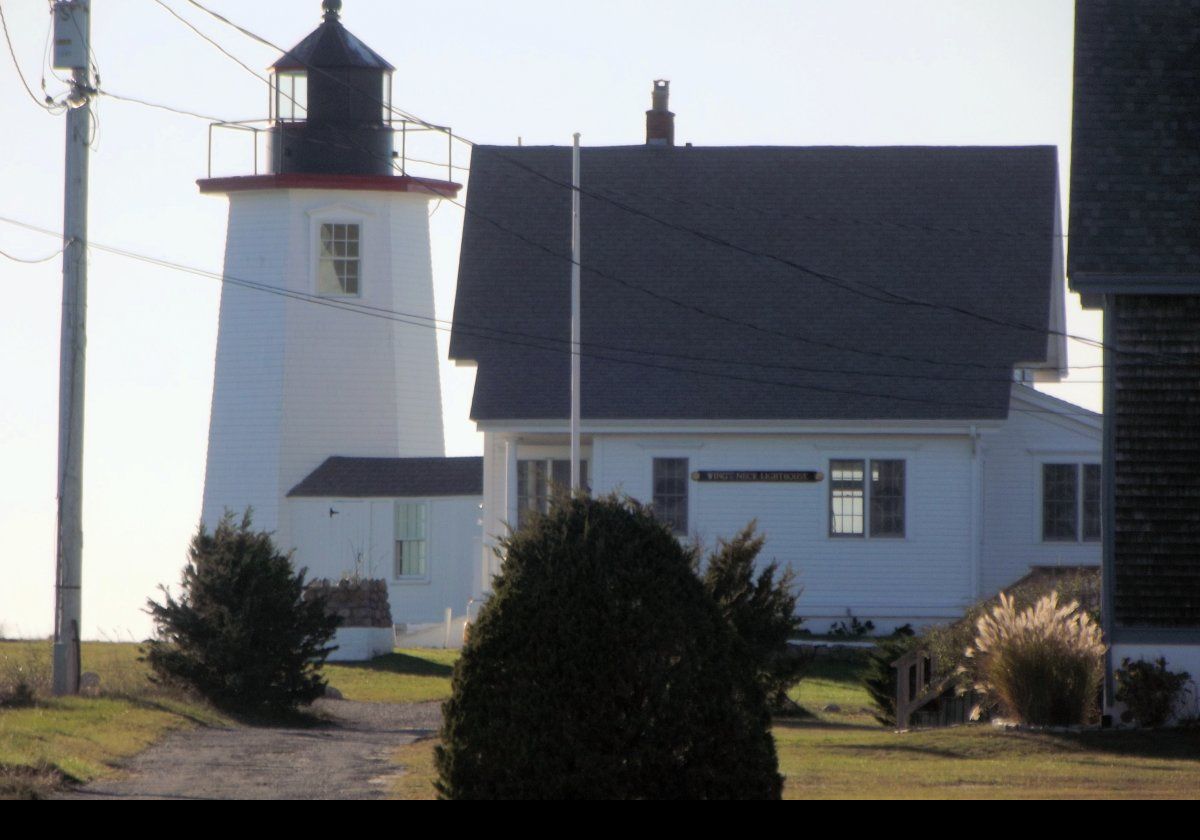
<point>331,104</point>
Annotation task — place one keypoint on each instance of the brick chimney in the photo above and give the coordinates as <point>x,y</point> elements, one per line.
<point>660,122</point>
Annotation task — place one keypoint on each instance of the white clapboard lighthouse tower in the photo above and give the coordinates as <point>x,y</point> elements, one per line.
<point>326,343</point>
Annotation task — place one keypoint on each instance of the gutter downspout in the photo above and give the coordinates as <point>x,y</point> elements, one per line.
<point>510,483</point>
<point>976,515</point>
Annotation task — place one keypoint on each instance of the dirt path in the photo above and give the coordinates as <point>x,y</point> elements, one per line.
<point>346,759</point>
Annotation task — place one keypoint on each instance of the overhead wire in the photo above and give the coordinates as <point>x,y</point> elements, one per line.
<point>36,260</point>
<point>543,343</point>
<point>890,356</point>
<point>705,359</point>
<point>50,106</point>
<point>868,290</point>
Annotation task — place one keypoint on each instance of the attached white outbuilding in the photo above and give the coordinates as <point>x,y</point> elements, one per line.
<point>414,522</point>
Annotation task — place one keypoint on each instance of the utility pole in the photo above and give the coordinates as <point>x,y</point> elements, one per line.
<point>72,52</point>
<point>576,479</point>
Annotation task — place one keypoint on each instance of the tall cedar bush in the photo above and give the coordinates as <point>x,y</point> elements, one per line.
<point>601,669</point>
<point>242,632</point>
<point>761,609</point>
<point>879,677</point>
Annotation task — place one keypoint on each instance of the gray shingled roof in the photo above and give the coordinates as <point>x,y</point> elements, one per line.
<point>1135,171</point>
<point>330,46</point>
<point>968,227</point>
<point>393,477</point>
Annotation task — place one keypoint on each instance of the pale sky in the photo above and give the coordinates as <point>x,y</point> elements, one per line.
<point>804,72</point>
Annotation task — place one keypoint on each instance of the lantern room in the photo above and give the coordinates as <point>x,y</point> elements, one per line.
<point>331,98</point>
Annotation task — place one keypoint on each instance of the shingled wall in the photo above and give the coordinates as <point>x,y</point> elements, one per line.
<point>1157,453</point>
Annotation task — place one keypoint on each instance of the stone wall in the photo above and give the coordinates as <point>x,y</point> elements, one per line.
<point>359,602</point>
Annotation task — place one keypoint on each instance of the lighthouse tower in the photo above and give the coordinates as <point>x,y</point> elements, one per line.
<point>326,343</point>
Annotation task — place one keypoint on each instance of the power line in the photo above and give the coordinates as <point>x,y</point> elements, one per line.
<point>36,260</point>
<point>220,48</point>
<point>160,106</point>
<point>872,291</point>
<point>489,331</point>
<point>869,290</point>
<point>534,343</point>
<point>538,342</point>
<point>638,288</point>
<point>45,106</point>
<point>888,295</point>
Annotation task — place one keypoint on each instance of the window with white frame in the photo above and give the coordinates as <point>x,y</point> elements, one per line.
<point>670,500</point>
<point>1071,502</point>
<point>339,261</point>
<point>537,481</point>
<point>412,540</point>
<point>866,497</point>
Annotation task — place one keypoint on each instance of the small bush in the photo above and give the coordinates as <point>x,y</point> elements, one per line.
<point>761,609</point>
<point>1149,691</point>
<point>1042,665</point>
<point>601,669</point>
<point>854,630</point>
<point>242,633</point>
<point>879,677</point>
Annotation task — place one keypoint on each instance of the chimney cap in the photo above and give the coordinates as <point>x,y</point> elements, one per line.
<point>660,122</point>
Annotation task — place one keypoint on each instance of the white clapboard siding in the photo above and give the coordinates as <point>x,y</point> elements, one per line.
<point>360,539</point>
<point>1013,456</point>
<point>973,501</point>
<point>295,381</point>
<point>925,575</point>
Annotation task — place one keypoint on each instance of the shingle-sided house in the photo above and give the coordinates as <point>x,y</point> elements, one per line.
<point>1135,251</point>
<point>835,342</point>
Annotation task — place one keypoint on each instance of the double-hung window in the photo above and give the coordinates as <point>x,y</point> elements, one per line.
<point>671,492</point>
<point>339,263</point>
<point>412,541</point>
<point>537,481</point>
<point>866,498</point>
<point>1071,502</point>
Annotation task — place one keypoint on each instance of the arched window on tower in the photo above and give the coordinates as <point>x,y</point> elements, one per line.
<point>289,96</point>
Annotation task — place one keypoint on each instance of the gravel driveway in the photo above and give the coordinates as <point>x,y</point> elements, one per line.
<point>347,758</point>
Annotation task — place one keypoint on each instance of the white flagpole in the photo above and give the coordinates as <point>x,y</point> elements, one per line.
<point>576,481</point>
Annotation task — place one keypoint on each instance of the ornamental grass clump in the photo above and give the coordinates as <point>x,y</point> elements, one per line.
<point>1041,665</point>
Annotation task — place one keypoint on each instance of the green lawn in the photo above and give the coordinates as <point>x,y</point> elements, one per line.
<point>82,738</point>
<point>406,676</point>
<point>846,755</point>
<point>842,754</point>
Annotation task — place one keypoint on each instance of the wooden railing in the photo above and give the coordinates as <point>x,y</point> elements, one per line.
<point>917,684</point>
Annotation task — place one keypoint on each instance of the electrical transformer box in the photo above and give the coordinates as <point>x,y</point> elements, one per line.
<point>71,21</point>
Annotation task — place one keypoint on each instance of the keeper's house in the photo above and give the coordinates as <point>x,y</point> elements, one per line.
<point>835,342</point>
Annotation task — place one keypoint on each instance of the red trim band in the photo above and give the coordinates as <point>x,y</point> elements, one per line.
<point>312,181</point>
